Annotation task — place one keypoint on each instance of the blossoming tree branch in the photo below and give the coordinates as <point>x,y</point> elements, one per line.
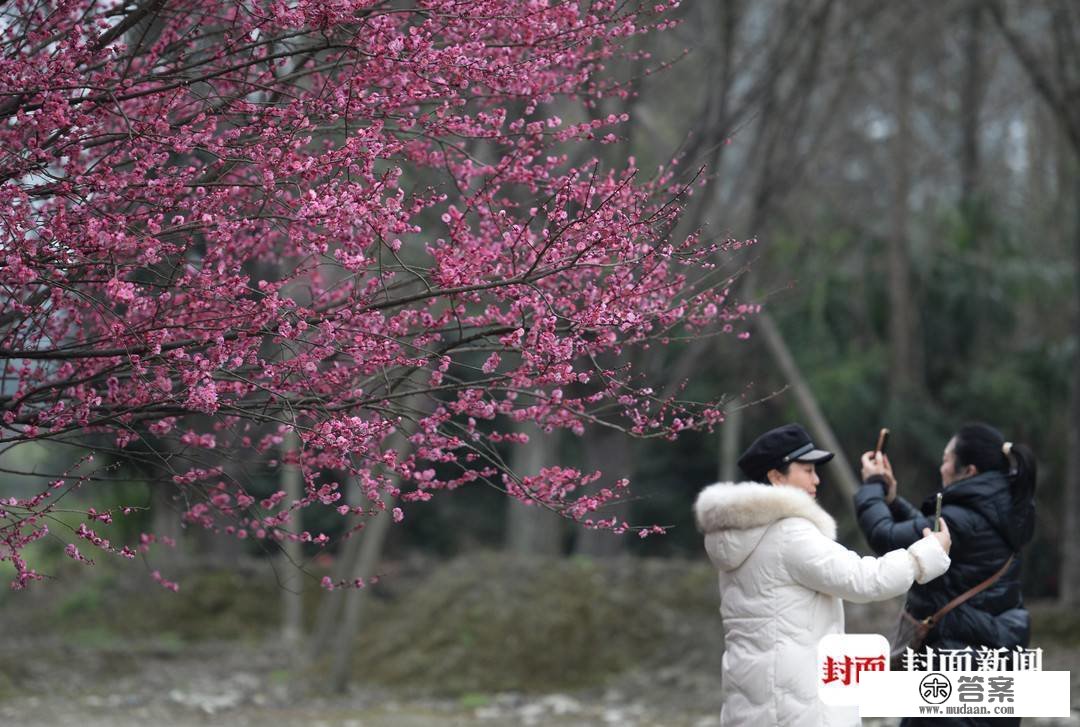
<point>226,223</point>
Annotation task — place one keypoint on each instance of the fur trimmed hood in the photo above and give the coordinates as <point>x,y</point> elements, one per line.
<point>748,505</point>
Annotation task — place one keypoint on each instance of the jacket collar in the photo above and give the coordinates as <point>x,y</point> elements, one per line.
<point>990,495</point>
<point>980,485</point>
<point>746,505</point>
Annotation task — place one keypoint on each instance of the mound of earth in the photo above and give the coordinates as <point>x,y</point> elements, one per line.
<point>490,623</point>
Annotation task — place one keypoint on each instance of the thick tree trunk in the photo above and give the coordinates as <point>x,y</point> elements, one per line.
<point>530,529</point>
<point>611,452</point>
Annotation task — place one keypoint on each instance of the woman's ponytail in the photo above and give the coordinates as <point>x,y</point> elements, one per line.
<point>984,447</point>
<point>1022,470</point>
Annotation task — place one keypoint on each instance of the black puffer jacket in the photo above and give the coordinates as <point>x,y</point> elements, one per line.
<point>986,526</point>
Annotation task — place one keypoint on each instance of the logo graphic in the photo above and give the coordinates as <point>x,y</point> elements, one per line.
<point>935,688</point>
<point>843,661</point>
<point>852,670</point>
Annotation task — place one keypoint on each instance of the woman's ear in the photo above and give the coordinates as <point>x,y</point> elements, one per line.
<point>774,477</point>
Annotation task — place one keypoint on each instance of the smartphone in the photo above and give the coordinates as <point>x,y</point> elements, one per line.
<point>937,514</point>
<point>882,440</point>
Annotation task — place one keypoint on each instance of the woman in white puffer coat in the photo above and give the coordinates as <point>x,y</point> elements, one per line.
<point>782,578</point>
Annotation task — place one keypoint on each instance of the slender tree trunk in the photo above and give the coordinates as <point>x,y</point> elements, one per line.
<point>1070,541</point>
<point>717,117</point>
<point>165,521</point>
<point>971,104</point>
<point>902,363</point>
<point>765,197</point>
<point>329,614</point>
<point>807,403</point>
<point>361,561</point>
<point>533,530</point>
<point>775,174</point>
<point>291,553</point>
<point>370,552</point>
<point>1069,590</point>
<point>730,435</point>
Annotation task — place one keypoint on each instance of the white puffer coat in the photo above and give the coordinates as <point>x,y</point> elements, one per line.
<point>782,576</point>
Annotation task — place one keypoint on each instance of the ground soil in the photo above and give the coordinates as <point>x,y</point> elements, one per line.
<point>661,666</point>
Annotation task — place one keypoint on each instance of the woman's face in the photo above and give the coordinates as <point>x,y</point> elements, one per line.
<point>800,475</point>
<point>949,473</point>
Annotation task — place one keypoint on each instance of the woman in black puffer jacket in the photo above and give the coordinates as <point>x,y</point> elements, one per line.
<point>988,500</point>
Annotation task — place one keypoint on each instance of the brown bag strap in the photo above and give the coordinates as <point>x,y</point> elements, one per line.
<point>936,618</point>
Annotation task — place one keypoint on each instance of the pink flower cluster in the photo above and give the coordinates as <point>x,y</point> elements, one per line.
<point>338,219</point>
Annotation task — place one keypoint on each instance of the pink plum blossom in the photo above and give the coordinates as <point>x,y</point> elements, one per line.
<point>304,220</point>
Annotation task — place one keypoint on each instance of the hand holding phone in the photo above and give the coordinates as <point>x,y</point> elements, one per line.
<point>877,463</point>
<point>942,535</point>
<point>882,440</point>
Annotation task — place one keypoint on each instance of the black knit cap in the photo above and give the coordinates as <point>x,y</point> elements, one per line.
<point>776,448</point>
